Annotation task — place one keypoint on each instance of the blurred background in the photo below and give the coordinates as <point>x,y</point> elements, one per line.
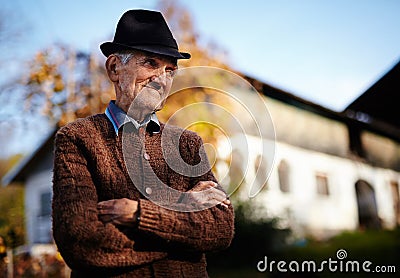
<point>328,72</point>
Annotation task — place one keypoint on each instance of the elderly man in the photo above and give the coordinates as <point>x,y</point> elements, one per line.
<point>122,207</point>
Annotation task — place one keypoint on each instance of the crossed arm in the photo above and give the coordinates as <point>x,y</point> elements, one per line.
<point>87,233</point>
<point>125,212</point>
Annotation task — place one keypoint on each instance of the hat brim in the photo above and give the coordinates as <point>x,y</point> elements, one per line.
<point>109,48</point>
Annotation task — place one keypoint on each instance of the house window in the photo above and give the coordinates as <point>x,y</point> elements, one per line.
<point>283,175</point>
<point>322,184</point>
<point>261,170</point>
<point>396,201</point>
<point>236,174</point>
<point>45,204</point>
<point>42,227</point>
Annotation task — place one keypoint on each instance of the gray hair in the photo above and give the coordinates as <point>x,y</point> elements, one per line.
<point>125,55</point>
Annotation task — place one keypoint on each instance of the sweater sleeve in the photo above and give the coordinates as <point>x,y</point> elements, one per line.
<point>205,230</point>
<point>84,241</point>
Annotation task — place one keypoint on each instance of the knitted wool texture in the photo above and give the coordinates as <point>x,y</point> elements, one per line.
<point>89,167</point>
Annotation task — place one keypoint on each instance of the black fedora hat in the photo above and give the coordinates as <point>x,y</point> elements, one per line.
<point>143,30</point>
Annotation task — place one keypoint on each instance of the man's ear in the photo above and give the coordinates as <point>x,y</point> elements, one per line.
<point>111,67</point>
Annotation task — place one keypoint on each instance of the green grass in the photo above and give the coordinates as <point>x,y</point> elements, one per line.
<point>380,246</point>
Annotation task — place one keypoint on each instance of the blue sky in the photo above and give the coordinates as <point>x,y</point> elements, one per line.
<point>328,52</point>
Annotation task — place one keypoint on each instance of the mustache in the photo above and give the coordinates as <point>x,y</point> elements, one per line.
<point>154,85</point>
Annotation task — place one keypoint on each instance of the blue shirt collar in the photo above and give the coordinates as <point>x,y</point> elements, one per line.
<point>118,118</point>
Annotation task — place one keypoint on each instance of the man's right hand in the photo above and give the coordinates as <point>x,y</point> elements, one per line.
<point>207,192</point>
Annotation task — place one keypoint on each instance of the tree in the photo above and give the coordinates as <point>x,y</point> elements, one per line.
<point>65,85</point>
<point>12,224</point>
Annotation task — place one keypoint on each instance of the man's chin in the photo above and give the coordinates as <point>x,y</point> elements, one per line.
<point>159,107</point>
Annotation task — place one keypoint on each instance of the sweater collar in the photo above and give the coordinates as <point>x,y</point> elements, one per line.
<point>118,118</point>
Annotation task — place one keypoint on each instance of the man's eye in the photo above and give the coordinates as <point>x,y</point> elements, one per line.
<point>151,63</point>
<point>171,72</point>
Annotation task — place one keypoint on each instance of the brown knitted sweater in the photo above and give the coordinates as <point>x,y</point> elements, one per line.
<point>89,167</point>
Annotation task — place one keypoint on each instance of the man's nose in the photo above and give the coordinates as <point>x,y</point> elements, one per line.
<point>160,77</point>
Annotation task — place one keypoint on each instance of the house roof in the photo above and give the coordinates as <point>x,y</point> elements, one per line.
<point>20,171</point>
<point>294,100</point>
<point>377,102</point>
<point>380,100</point>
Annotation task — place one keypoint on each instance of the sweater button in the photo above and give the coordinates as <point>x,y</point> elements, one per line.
<point>141,131</point>
<point>149,190</point>
<point>146,156</point>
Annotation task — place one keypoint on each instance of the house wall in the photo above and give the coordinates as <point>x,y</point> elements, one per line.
<point>302,208</point>
<point>308,130</point>
<point>38,190</point>
<point>381,150</point>
<point>315,148</point>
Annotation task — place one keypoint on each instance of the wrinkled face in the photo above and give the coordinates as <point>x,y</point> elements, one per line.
<point>144,81</point>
